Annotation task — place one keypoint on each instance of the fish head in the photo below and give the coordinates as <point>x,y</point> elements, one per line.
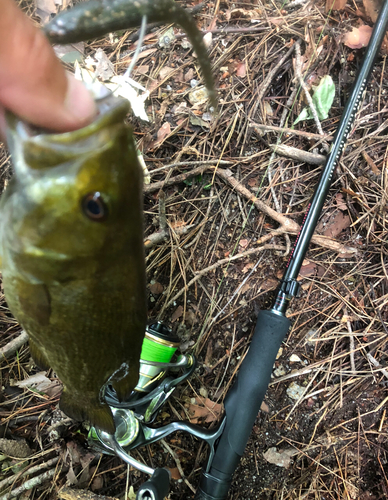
<point>73,193</point>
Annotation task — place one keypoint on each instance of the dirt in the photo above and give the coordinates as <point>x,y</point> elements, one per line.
<point>338,429</point>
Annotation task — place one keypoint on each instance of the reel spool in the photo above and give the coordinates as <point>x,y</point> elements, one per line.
<point>159,346</point>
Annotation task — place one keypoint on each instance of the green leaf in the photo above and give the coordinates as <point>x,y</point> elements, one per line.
<point>324,96</point>
<point>323,99</point>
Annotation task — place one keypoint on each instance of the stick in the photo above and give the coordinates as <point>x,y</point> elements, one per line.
<point>13,346</point>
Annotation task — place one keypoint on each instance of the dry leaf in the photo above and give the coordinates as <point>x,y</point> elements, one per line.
<point>44,9</point>
<point>175,474</point>
<point>241,70</point>
<point>142,69</point>
<point>309,269</point>
<point>336,225</point>
<point>244,14</point>
<point>336,5</point>
<point>177,314</point>
<point>243,243</point>
<point>340,200</point>
<point>156,288</point>
<point>358,37</point>
<point>281,458</point>
<point>372,8</point>
<point>164,72</point>
<point>104,68</point>
<point>204,410</point>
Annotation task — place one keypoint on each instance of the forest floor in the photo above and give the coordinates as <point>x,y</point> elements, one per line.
<point>322,431</point>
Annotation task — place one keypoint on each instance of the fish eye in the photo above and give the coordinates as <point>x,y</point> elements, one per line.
<point>94,207</point>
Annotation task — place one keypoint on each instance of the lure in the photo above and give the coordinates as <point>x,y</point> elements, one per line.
<point>97,17</point>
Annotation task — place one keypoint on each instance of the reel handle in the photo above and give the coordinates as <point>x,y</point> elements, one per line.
<point>156,488</point>
<point>242,404</point>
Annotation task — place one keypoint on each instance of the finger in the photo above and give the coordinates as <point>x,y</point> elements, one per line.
<point>33,83</point>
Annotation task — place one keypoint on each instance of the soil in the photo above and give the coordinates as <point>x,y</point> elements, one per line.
<point>335,433</point>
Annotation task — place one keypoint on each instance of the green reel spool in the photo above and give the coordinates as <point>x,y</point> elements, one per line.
<point>159,346</point>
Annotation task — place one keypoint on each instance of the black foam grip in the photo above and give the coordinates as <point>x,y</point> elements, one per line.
<point>242,404</point>
<point>158,485</point>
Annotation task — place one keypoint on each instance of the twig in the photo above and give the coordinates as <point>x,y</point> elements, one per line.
<point>286,225</point>
<point>28,472</point>
<point>191,164</point>
<point>377,364</point>
<point>29,484</point>
<point>175,180</point>
<point>178,464</point>
<point>298,154</point>
<point>13,346</point>
<point>160,236</point>
<point>290,131</point>
<point>67,493</point>
<point>162,211</point>
<point>221,263</point>
<point>351,343</point>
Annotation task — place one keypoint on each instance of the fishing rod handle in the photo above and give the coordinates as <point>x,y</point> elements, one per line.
<point>242,404</point>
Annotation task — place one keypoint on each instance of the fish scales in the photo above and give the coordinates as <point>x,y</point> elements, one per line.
<point>71,243</point>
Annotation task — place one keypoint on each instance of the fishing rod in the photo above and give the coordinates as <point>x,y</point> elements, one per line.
<point>159,375</point>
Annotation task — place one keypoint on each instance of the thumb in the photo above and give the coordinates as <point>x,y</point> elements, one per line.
<point>33,83</point>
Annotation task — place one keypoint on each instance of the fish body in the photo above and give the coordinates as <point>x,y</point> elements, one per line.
<point>72,256</point>
<point>95,18</point>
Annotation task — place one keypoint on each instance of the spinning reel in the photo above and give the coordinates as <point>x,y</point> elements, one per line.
<point>157,380</point>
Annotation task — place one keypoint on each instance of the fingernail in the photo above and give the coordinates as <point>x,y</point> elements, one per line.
<point>79,101</point>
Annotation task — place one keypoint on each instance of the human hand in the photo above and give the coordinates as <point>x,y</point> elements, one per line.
<point>33,83</point>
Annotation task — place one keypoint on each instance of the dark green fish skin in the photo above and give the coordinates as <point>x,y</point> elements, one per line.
<point>98,17</point>
<point>74,269</point>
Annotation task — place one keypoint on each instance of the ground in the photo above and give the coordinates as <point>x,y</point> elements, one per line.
<point>222,258</point>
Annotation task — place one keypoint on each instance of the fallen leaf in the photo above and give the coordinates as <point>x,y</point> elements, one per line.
<point>104,68</point>
<point>243,243</point>
<point>241,70</point>
<point>13,448</point>
<point>323,98</point>
<point>264,407</point>
<point>340,200</point>
<point>177,314</point>
<point>358,37</point>
<point>309,269</point>
<point>336,225</point>
<point>70,53</point>
<point>204,410</point>
<point>164,72</point>
<point>142,69</point>
<point>189,75</point>
<point>175,474</point>
<point>281,458</point>
<point>372,8</point>
<point>244,14</point>
<point>44,9</point>
<point>336,5</point>
<point>371,163</point>
<point>156,288</point>
<point>97,483</point>
<point>190,317</point>
<point>164,131</point>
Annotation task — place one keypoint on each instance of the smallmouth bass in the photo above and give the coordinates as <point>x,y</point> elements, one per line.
<point>71,245</point>
<point>95,18</point>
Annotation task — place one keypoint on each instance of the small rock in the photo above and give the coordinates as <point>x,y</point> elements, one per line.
<point>295,359</point>
<point>295,391</point>
<point>279,371</point>
<point>280,352</point>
